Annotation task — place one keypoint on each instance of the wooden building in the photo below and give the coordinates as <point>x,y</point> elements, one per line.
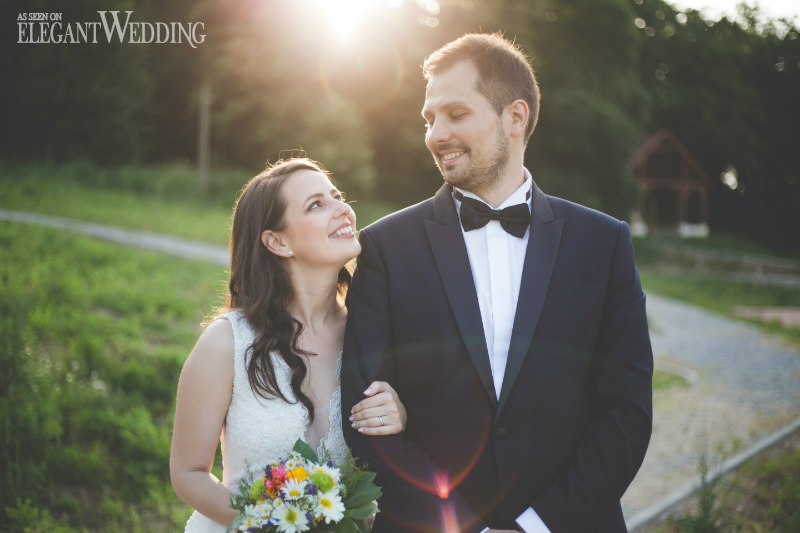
<point>672,188</point>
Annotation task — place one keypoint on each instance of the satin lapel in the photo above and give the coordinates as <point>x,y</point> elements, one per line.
<point>452,261</point>
<point>540,258</point>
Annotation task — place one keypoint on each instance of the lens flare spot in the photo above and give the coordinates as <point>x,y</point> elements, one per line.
<point>442,482</point>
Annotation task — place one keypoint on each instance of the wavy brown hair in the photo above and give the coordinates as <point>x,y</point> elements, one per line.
<point>260,285</point>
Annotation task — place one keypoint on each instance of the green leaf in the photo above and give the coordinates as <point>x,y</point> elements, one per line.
<point>367,477</point>
<point>362,494</point>
<point>347,525</point>
<point>362,526</point>
<point>305,451</point>
<point>362,511</point>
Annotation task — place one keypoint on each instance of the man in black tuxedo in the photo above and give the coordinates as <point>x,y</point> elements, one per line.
<point>512,325</point>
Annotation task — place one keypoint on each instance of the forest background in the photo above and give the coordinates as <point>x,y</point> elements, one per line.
<point>342,81</point>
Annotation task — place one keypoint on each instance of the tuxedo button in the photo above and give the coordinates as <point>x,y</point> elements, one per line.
<point>500,432</point>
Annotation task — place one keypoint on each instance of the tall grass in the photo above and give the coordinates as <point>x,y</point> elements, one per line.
<point>92,339</point>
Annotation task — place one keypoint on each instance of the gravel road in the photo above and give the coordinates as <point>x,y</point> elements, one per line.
<point>744,384</point>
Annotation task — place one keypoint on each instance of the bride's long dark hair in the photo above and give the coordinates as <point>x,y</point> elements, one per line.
<point>260,285</point>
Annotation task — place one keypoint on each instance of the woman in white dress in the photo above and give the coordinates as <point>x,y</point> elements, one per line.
<point>266,371</point>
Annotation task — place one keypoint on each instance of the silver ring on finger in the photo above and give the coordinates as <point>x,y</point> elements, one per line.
<point>380,419</point>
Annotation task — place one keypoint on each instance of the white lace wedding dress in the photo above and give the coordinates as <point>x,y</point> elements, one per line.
<point>259,431</point>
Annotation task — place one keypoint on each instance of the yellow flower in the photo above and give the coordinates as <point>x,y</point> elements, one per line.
<point>298,474</point>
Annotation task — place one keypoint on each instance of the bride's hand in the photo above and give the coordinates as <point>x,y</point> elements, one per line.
<point>380,413</point>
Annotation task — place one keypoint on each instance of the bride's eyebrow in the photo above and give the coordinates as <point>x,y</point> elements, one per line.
<point>333,192</point>
<point>313,197</point>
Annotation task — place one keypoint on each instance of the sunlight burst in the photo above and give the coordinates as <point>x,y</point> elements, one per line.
<point>343,16</point>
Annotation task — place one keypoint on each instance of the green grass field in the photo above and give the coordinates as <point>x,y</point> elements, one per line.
<point>93,338</point>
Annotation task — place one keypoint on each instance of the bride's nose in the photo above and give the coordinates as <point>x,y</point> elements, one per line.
<point>343,209</point>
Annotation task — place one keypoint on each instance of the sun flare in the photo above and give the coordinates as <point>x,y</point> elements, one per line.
<point>344,16</point>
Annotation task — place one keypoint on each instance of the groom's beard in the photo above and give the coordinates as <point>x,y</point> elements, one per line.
<point>479,175</point>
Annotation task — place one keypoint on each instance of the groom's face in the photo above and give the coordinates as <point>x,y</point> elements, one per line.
<point>464,134</point>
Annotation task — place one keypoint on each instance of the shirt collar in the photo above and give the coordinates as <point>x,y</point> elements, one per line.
<point>523,193</point>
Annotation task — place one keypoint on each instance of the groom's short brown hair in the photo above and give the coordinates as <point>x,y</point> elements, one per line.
<point>504,72</point>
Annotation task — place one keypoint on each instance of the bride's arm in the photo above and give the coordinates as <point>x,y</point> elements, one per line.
<point>204,394</point>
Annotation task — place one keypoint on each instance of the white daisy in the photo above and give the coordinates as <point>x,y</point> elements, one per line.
<point>291,519</point>
<point>263,509</point>
<point>330,506</point>
<point>294,489</point>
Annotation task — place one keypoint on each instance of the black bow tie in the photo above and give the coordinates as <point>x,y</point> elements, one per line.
<point>475,214</point>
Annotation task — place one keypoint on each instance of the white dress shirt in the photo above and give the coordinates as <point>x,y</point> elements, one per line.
<point>496,259</point>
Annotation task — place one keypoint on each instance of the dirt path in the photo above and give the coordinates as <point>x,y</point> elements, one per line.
<point>743,386</point>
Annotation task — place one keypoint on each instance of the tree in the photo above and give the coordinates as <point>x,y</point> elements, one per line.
<point>724,89</point>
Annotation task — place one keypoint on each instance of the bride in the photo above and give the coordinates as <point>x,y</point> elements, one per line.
<point>266,371</point>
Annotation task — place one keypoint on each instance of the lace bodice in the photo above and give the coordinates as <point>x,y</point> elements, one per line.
<point>258,431</point>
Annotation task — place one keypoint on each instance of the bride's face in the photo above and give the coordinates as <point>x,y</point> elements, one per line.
<point>320,229</point>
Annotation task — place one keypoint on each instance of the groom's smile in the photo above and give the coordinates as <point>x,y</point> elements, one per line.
<point>448,157</point>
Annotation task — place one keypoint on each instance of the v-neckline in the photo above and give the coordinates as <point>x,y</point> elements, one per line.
<point>331,417</point>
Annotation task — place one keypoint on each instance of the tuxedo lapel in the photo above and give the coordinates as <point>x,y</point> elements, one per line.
<point>540,258</point>
<point>452,262</point>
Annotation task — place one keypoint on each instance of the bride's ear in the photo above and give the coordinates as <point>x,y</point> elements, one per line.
<point>276,243</point>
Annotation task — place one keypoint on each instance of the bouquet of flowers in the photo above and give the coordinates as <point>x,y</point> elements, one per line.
<point>301,493</point>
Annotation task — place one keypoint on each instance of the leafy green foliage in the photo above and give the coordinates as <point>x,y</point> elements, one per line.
<point>611,71</point>
<point>93,340</point>
<point>728,92</point>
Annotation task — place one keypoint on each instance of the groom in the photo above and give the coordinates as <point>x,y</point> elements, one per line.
<point>512,325</point>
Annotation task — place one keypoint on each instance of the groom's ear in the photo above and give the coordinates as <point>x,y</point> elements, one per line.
<point>275,243</point>
<point>520,115</point>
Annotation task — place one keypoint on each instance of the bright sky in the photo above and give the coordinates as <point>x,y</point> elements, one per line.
<point>716,9</point>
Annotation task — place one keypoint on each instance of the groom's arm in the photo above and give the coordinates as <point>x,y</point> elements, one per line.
<point>404,470</point>
<point>614,445</point>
